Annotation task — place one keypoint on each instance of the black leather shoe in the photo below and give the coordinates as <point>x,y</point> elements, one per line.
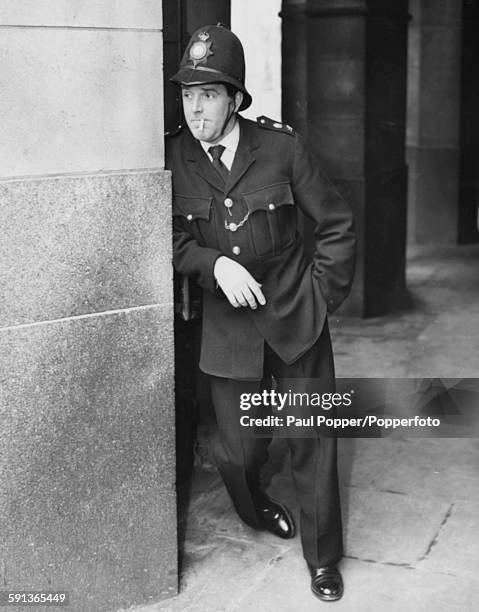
<point>326,582</point>
<point>276,518</point>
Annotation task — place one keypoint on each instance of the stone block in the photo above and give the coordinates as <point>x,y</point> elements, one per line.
<point>80,100</point>
<point>82,13</point>
<point>72,246</point>
<point>339,143</point>
<point>440,12</point>
<point>338,90</point>
<point>440,86</point>
<point>337,37</point>
<point>436,183</point>
<point>330,6</point>
<point>87,458</point>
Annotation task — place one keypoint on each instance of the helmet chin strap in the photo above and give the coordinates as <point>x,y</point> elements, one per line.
<point>228,119</point>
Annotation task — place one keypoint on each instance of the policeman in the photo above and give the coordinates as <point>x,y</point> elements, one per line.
<point>238,187</point>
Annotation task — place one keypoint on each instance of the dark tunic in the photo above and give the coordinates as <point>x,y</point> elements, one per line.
<point>272,176</point>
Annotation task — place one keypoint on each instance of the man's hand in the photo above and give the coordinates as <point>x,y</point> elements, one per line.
<point>237,284</point>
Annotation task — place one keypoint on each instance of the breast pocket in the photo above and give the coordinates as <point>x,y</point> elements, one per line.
<point>272,218</point>
<point>197,217</point>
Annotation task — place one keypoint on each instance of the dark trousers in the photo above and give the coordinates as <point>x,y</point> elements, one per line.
<point>239,457</point>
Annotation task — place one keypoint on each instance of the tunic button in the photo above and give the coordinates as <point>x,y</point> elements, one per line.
<point>236,250</point>
<point>189,217</point>
<point>271,206</point>
<point>228,202</point>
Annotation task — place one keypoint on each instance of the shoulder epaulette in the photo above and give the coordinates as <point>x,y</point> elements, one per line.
<point>177,130</point>
<point>277,126</point>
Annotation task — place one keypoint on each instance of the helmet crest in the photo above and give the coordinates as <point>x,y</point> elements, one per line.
<point>200,51</point>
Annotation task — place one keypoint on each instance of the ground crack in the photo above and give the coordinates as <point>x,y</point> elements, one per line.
<point>434,540</point>
<point>390,563</point>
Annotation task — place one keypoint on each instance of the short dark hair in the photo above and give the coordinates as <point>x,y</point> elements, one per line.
<point>231,90</point>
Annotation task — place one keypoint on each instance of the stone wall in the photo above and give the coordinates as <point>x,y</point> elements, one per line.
<point>87,499</point>
<point>434,72</point>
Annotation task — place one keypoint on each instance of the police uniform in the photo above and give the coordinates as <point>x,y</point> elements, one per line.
<point>251,217</point>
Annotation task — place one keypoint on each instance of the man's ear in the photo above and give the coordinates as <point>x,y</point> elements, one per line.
<point>238,99</point>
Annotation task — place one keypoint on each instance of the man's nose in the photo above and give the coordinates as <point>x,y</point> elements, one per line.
<point>197,106</point>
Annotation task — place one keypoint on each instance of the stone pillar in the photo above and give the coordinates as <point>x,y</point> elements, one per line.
<point>87,498</point>
<point>351,62</point>
<point>294,55</point>
<point>433,120</point>
<point>469,126</point>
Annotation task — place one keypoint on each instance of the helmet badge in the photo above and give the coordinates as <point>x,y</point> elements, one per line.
<point>200,50</point>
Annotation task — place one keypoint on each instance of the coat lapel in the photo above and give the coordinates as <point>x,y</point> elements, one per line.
<point>202,165</point>
<point>244,154</point>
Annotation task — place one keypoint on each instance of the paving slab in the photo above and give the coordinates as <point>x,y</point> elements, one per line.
<point>371,357</point>
<point>362,460</point>
<point>454,550</point>
<point>369,587</point>
<point>212,515</point>
<point>220,574</point>
<point>439,468</point>
<point>442,357</point>
<point>379,525</point>
<point>390,527</point>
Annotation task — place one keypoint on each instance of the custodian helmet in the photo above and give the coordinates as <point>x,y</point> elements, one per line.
<point>214,55</point>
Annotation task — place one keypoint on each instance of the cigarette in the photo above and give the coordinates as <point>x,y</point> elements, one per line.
<point>202,125</point>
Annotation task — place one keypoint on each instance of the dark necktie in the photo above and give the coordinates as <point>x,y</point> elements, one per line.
<point>216,152</point>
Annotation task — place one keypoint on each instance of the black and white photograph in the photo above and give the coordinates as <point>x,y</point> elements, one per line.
<point>239,305</point>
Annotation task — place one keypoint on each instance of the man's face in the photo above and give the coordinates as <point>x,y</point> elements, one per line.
<point>209,110</point>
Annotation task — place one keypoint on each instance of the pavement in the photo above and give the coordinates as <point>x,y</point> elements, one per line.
<point>410,505</point>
